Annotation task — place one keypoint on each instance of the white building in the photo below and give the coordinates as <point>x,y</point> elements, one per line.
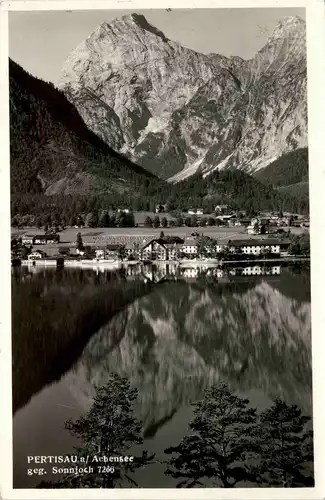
<point>173,250</point>
<point>154,250</point>
<point>195,211</point>
<point>38,254</point>
<point>256,247</point>
<point>253,230</point>
<point>100,253</point>
<point>28,239</point>
<point>189,247</point>
<point>221,208</point>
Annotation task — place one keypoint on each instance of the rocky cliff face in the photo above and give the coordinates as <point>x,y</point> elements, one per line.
<point>173,110</point>
<point>182,338</point>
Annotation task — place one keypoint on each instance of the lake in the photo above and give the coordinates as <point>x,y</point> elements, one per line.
<point>172,332</point>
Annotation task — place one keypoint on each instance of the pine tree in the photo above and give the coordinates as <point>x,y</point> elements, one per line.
<point>220,444</point>
<point>108,429</point>
<point>104,219</point>
<point>286,446</point>
<point>79,244</point>
<point>156,221</point>
<point>179,221</point>
<point>148,221</point>
<point>164,222</point>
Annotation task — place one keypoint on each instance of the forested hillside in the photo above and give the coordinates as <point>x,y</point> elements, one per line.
<point>290,168</point>
<point>52,150</point>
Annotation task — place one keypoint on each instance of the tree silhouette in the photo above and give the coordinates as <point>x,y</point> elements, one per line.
<point>286,446</point>
<point>104,219</point>
<point>148,221</point>
<point>79,243</point>
<point>164,222</point>
<point>221,444</point>
<point>206,246</point>
<point>91,220</point>
<point>156,221</point>
<point>109,429</point>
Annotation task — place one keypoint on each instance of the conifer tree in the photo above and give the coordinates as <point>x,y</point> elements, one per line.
<point>286,446</point>
<point>164,222</point>
<point>220,444</point>
<point>79,244</point>
<point>108,429</point>
<point>156,221</point>
<point>148,221</point>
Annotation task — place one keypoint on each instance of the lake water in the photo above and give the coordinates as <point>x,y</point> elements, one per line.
<point>172,332</point>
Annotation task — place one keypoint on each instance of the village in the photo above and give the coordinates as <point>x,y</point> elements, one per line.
<point>265,236</point>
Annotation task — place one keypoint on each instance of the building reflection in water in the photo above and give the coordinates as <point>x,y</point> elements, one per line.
<point>160,272</point>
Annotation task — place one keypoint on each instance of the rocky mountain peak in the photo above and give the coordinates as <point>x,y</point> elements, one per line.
<point>289,24</point>
<point>142,23</point>
<point>292,29</point>
<point>129,23</point>
<point>287,42</point>
<point>174,111</point>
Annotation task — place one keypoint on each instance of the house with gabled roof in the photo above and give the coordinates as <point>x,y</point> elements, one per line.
<point>155,249</point>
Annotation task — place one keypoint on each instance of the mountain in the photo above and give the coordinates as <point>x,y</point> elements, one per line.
<point>53,152</point>
<point>175,111</point>
<point>58,164</point>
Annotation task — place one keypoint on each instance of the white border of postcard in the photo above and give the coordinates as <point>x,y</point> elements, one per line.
<point>315,18</point>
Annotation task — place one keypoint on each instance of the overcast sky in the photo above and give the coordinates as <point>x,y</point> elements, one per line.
<point>40,41</point>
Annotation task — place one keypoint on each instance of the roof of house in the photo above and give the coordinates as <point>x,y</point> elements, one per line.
<point>190,242</point>
<point>173,239</point>
<point>113,246</point>
<point>173,245</point>
<point>160,241</point>
<point>260,242</point>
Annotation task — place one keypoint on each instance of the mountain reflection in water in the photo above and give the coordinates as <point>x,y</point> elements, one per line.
<point>252,331</point>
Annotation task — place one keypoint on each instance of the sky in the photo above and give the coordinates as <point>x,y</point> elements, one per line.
<point>40,41</point>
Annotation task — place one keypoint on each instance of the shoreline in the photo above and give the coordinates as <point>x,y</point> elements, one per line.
<point>197,263</point>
